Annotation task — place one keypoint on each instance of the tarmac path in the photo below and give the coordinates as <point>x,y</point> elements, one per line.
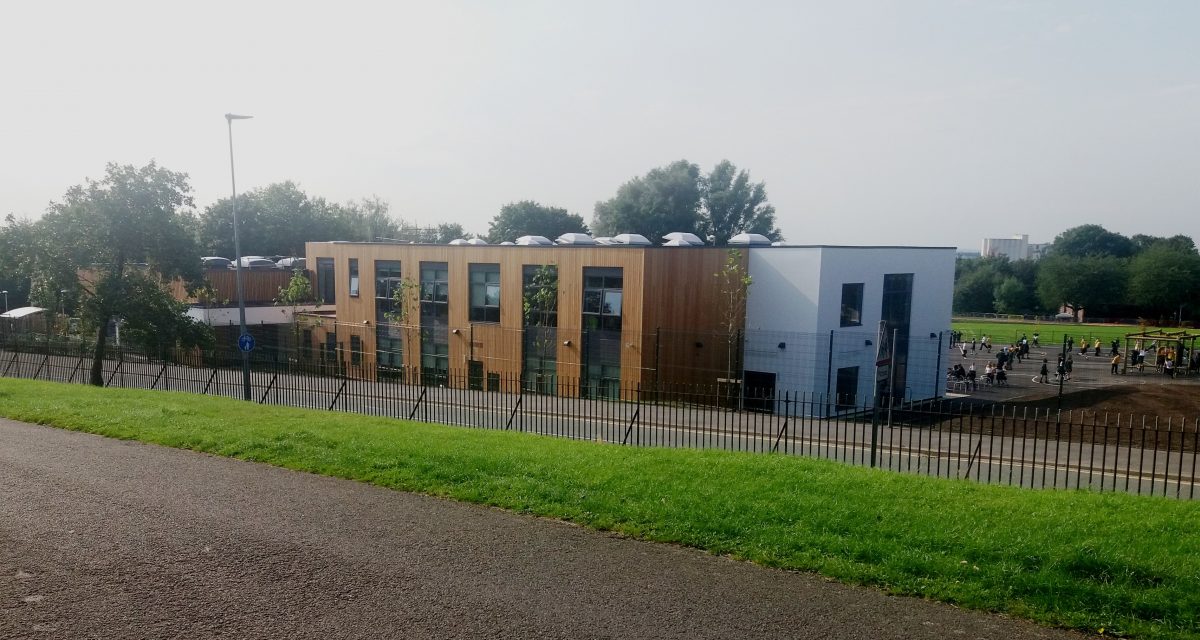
<point>101,538</point>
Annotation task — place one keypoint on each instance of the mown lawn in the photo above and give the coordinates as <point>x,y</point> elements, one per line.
<point>1050,333</point>
<point>1128,565</point>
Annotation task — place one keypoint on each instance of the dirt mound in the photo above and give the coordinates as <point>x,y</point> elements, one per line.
<point>1174,401</point>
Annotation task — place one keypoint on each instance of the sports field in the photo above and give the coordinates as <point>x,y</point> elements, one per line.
<point>1005,332</point>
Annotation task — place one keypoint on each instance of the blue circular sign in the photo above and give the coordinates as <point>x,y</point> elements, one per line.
<point>246,342</point>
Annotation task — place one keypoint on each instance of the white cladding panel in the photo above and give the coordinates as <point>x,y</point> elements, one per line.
<point>225,316</point>
<point>795,301</point>
<point>785,290</point>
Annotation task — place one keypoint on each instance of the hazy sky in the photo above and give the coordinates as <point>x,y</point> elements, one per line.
<point>906,122</point>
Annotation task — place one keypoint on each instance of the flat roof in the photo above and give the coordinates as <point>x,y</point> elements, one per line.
<point>21,312</point>
<point>629,246</point>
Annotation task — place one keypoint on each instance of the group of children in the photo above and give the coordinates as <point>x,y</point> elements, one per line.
<point>969,377</point>
<point>1168,360</point>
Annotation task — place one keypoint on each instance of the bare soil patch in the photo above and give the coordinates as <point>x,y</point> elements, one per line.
<point>1178,401</point>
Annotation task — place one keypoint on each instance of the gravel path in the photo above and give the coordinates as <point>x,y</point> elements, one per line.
<point>107,539</point>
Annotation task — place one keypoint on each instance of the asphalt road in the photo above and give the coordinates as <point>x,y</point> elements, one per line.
<point>107,539</point>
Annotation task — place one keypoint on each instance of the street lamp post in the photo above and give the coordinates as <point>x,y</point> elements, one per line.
<point>237,262</point>
<point>62,309</point>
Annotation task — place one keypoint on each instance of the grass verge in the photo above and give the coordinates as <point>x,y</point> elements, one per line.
<point>1051,333</point>
<point>1125,564</point>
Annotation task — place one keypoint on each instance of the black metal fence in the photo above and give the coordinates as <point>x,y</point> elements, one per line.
<point>984,443</point>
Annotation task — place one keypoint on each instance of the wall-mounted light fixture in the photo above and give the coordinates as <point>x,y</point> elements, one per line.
<point>699,344</point>
<point>366,322</point>
<point>932,335</point>
<point>867,343</point>
<point>455,332</point>
<point>782,346</point>
<point>566,343</point>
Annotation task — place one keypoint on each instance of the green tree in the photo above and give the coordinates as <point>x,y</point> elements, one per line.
<point>1092,240</point>
<point>296,293</point>
<point>1089,282</point>
<point>1162,278</point>
<point>160,323</point>
<point>1178,242</point>
<point>730,204</point>
<point>666,199</point>
<point>400,311</point>
<point>371,217</point>
<point>733,282</point>
<point>105,229</point>
<point>1012,296</point>
<point>976,281</point>
<point>15,268</point>
<point>528,218</point>
<point>447,231</point>
<point>277,220</point>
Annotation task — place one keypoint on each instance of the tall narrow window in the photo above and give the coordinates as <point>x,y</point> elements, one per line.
<point>852,298</point>
<point>540,337</point>
<point>485,293</point>
<point>355,350</point>
<point>354,277</point>
<point>325,283</point>
<point>435,323</point>
<point>603,302</point>
<point>896,313</point>
<point>389,335</point>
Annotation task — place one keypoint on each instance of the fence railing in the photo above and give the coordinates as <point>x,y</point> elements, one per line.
<point>984,443</point>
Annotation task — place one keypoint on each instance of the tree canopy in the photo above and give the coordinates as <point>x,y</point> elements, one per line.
<point>1163,277</point>
<point>527,218</point>
<point>1092,240</point>
<point>666,199</point>
<point>277,220</point>
<point>15,238</point>
<point>1088,268</point>
<point>130,233</point>
<point>1081,282</point>
<point>716,206</point>
<point>730,204</point>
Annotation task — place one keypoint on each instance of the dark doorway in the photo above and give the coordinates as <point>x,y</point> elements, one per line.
<point>475,375</point>
<point>759,390</point>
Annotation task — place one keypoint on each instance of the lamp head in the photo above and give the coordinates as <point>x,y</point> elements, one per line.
<point>234,116</point>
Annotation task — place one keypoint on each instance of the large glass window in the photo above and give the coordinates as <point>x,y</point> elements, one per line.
<point>325,284</point>
<point>540,338</point>
<point>435,323</point>
<point>602,299</point>
<point>540,295</point>
<point>896,312</point>
<point>389,344</point>
<point>485,293</point>
<point>435,292</point>
<point>852,301</point>
<point>602,307</point>
<point>435,363</point>
<point>354,277</point>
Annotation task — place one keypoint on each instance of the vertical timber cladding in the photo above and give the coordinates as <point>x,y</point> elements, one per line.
<point>681,281</point>
<point>684,300</point>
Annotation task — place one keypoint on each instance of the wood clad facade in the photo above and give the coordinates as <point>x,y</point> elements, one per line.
<point>667,288</point>
<point>259,286</point>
